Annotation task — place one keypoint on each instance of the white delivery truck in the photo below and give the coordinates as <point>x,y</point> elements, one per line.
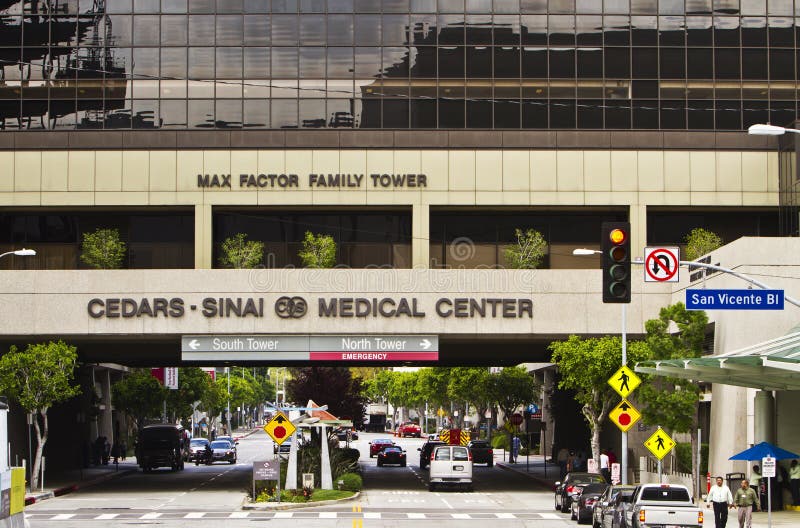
<point>451,465</point>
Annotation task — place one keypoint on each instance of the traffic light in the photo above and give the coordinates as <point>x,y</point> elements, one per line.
<point>616,247</point>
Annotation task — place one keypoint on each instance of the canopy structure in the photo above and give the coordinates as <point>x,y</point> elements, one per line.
<point>771,365</point>
<point>763,450</point>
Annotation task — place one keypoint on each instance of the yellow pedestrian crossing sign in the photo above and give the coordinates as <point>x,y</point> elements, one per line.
<point>624,415</point>
<point>280,428</point>
<point>659,443</point>
<point>624,381</point>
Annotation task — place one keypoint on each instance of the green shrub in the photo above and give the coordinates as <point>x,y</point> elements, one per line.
<point>351,482</point>
<point>501,441</point>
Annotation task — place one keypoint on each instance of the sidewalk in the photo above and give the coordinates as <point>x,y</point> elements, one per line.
<point>535,470</point>
<point>59,483</point>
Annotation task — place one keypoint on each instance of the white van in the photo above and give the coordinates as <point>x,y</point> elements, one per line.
<point>450,465</point>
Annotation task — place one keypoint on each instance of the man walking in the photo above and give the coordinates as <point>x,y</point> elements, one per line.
<point>745,500</point>
<point>721,497</point>
<point>605,468</point>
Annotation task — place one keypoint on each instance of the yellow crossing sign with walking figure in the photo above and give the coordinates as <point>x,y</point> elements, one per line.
<point>659,443</point>
<point>624,381</point>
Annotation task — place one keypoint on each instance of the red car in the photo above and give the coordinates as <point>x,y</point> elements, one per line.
<point>377,445</point>
<point>409,429</point>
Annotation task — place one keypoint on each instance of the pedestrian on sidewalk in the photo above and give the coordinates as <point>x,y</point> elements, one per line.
<point>720,496</point>
<point>755,483</point>
<point>515,445</point>
<point>562,457</point>
<point>794,480</point>
<point>605,468</point>
<point>745,501</point>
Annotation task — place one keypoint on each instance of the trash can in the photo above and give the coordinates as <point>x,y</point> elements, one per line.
<point>734,481</point>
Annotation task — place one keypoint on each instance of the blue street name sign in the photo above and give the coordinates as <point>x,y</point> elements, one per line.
<point>734,299</point>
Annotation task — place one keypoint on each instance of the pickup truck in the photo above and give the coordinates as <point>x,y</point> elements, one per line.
<point>665,506</point>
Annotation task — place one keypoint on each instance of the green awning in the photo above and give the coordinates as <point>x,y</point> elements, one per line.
<point>771,365</point>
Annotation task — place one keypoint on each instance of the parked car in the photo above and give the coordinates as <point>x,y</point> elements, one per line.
<point>573,483</point>
<point>283,449</point>
<point>343,433</point>
<point>223,451</point>
<point>482,452</point>
<point>379,443</point>
<point>425,452</point>
<point>409,429</point>
<point>392,455</point>
<point>664,505</point>
<point>618,496</point>
<point>161,445</point>
<point>228,438</point>
<point>197,448</point>
<point>450,465</point>
<point>583,505</point>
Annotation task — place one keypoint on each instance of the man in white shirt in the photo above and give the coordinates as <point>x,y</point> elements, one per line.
<point>721,497</point>
<point>604,469</point>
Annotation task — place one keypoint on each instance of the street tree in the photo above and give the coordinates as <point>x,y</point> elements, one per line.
<point>432,385</point>
<point>585,366</point>
<point>319,251</point>
<point>511,388</point>
<point>242,394</point>
<point>528,251</point>
<point>472,385</point>
<point>103,249</point>
<point>670,402</point>
<point>214,401</point>
<point>331,386</point>
<point>139,395</point>
<point>39,377</point>
<point>701,242</point>
<point>403,392</point>
<point>239,253</point>
<point>193,383</point>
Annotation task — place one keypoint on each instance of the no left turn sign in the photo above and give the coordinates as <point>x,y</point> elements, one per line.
<point>661,264</point>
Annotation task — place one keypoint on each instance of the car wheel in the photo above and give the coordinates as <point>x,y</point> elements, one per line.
<point>564,507</point>
<point>402,464</point>
<point>489,464</point>
<point>380,463</point>
<point>431,486</point>
<point>572,515</point>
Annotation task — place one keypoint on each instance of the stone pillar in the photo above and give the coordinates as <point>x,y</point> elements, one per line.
<point>420,236</point>
<point>764,426</point>
<point>327,476</point>
<point>203,234</point>
<point>728,434</point>
<point>548,425</point>
<point>105,423</point>
<point>291,468</point>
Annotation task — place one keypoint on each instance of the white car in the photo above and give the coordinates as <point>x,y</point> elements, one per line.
<point>450,465</point>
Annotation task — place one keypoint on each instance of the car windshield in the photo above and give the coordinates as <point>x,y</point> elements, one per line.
<point>442,453</point>
<point>460,453</point>
<point>198,442</point>
<point>595,488</point>
<point>392,450</point>
<point>625,496</point>
<point>382,441</point>
<point>665,494</point>
<point>220,444</point>
<point>479,445</point>
<point>585,479</point>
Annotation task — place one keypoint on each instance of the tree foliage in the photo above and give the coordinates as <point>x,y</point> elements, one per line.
<point>239,253</point>
<point>139,395</point>
<point>528,251</point>
<point>585,365</point>
<point>193,382</point>
<point>511,388</point>
<point>39,377</point>
<point>319,251</point>
<point>701,242</point>
<point>331,386</point>
<point>103,249</point>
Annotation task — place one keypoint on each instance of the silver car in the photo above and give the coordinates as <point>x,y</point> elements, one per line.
<point>223,451</point>
<point>603,514</point>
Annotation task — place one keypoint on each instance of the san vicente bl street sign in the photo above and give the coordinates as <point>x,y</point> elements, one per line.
<point>354,348</point>
<point>698,299</point>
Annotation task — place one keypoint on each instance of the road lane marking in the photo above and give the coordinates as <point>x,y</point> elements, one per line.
<point>106,517</point>
<point>445,502</point>
<point>550,516</point>
<point>372,515</point>
<point>194,515</point>
<point>151,515</point>
<point>416,515</point>
<point>238,515</point>
<point>327,515</point>
<point>283,515</point>
<point>460,516</point>
<point>63,517</point>
<point>505,515</point>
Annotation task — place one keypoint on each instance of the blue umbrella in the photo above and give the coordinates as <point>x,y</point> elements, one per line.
<point>763,450</point>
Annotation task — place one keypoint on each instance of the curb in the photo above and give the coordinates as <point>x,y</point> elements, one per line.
<point>541,482</point>
<point>248,505</point>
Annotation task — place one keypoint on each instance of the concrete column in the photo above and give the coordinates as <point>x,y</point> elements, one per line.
<point>545,447</point>
<point>105,424</point>
<point>327,476</point>
<point>203,223</point>
<point>291,468</point>
<point>420,236</point>
<point>728,434</point>
<point>638,218</point>
<point>764,426</point>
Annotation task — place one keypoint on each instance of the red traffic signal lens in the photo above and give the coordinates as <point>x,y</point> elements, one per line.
<point>617,236</point>
<point>618,254</point>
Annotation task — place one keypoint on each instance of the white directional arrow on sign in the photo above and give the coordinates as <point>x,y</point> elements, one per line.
<point>194,344</point>
<point>425,344</point>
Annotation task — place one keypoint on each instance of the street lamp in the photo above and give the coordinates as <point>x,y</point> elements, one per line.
<point>4,407</point>
<point>584,251</point>
<point>770,130</point>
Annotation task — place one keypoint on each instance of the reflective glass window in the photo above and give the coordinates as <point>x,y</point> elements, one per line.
<point>229,63</point>
<point>174,30</point>
<point>257,30</point>
<point>506,29</point>
<point>367,30</point>
<point>145,30</point>
<point>395,30</point>
<point>312,30</point>
<point>312,63</point>
<point>256,6</point>
<point>312,6</point>
<point>367,62</point>
<point>396,6</point>
<point>340,30</point>
<point>256,63</point>
<point>201,30</point>
<point>285,31</point>
<point>229,30</point>
<point>284,63</point>
<point>340,63</point>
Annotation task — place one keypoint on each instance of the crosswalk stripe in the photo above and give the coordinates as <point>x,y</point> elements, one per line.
<point>372,515</point>
<point>416,515</point>
<point>194,515</point>
<point>63,517</point>
<point>238,515</point>
<point>151,515</point>
<point>505,515</point>
<point>283,515</point>
<point>549,516</point>
<point>106,517</point>
<point>460,516</point>
<point>327,515</point>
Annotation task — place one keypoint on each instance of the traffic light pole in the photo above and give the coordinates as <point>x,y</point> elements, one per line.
<point>624,455</point>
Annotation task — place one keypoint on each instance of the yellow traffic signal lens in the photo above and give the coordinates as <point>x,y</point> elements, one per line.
<point>617,236</point>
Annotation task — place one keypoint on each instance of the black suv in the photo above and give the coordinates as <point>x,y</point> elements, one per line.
<point>482,452</point>
<point>425,452</point>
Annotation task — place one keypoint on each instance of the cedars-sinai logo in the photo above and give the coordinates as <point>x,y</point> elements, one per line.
<point>291,307</point>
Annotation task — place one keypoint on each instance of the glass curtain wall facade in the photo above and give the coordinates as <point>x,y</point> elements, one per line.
<point>397,64</point>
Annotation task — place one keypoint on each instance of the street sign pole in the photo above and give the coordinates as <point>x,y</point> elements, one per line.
<point>624,454</point>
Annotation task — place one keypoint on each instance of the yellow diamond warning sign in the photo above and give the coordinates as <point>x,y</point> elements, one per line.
<point>280,428</point>
<point>624,381</point>
<point>624,415</point>
<point>659,444</point>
